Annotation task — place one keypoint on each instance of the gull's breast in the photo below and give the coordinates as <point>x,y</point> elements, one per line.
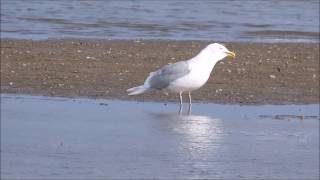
<point>190,82</point>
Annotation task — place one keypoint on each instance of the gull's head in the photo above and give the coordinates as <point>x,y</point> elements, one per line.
<point>219,51</point>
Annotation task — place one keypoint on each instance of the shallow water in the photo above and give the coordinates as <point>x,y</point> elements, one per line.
<point>44,137</point>
<point>258,21</point>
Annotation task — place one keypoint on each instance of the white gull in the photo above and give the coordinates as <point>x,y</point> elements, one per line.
<point>184,76</point>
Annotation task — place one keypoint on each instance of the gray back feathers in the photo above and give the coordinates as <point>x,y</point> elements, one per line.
<point>162,78</point>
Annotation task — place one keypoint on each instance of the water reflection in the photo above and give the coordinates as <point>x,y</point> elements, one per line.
<point>55,138</point>
<point>199,135</point>
<point>181,109</point>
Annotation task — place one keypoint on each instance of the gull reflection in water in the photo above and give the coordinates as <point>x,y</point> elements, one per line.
<point>198,135</point>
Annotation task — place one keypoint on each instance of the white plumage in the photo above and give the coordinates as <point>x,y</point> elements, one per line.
<point>184,76</point>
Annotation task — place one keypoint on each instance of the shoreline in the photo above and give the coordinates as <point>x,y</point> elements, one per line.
<point>142,100</point>
<point>261,73</point>
<point>154,40</point>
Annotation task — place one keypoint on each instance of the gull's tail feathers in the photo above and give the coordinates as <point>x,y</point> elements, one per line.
<point>137,90</point>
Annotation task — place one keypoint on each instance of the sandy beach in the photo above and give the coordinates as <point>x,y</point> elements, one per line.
<point>284,73</point>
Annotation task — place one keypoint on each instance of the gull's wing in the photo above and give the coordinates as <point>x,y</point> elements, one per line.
<point>162,78</point>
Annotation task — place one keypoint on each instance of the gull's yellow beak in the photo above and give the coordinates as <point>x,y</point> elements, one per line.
<point>231,54</point>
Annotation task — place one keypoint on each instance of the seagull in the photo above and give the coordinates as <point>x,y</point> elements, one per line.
<point>184,76</point>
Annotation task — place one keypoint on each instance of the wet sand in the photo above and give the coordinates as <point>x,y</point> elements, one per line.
<point>260,73</point>
<point>93,139</point>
